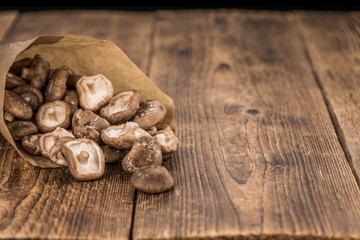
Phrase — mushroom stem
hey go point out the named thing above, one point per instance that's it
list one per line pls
(91, 87)
(53, 114)
(83, 157)
(9, 117)
(27, 73)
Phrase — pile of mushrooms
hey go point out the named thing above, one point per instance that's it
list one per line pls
(78, 122)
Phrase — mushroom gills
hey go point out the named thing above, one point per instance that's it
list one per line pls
(86, 156)
(94, 90)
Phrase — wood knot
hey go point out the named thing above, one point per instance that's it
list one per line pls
(252, 111)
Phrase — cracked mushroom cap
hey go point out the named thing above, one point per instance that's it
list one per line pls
(121, 107)
(145, 151)
(31, 94)
(17, 106)
(31, 144)
(56, 87)
(48, 139)
(122, 136)
(152, 179)
(85, 159)
(19, 129)
(94, 91)
(54, 114)
(12, 81)
(37, 72)
(87, 124)
(167, 139)
(149, 114)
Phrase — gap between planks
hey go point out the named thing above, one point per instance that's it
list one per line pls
(334, 120)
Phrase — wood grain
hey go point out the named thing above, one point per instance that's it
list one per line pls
(6, 19)
(129, 30)
(259, 156)
(43, 203)
(332, 39)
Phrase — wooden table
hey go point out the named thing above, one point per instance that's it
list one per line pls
(267, 107)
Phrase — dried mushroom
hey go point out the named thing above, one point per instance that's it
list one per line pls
(17, 106)
(122, 136)
(112, 154)
(87, 124)
(48, 139)
(52, 115)
(85, 158)
(94, 91)
(71, 97)
(55, 154)
(121, 107)
(149, 114)
(31, 144)
(18, 66)
(167, 139)
(56, 86)
(12, 81)
(152, 179)
(19, 129)
(145, 151)
(37, 72)
(30, 94)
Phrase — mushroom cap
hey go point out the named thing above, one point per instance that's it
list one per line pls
(122, 136)
(87, 124)
(121, 107)
(56, 87)
(167, 139)
(149, 114)
(48, 139)
(54, 114)
(40, 72)
(112, 154)
(31, 144)
(85, 158)
(19, 129)
(145, 151)
(31, 94)
(152, 179)
(94, 91)
(17, 106)
(71, 97)
(13, 81)
(55, 154)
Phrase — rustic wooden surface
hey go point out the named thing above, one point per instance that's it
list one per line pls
(266, 108)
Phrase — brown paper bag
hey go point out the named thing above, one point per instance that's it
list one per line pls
(85, 56)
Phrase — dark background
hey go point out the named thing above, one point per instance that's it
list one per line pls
(131, 5)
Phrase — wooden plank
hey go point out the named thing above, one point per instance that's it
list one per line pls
(129, 30)
(332, 39)
(43, 203)
(258, 154)
(6, 19)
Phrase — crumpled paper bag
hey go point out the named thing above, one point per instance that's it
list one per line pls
(85, 56)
